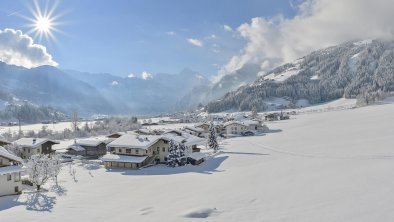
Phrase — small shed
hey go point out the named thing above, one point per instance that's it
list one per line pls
(196, 158)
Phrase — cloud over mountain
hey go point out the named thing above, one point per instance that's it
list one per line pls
(318, 24)
(19, 49)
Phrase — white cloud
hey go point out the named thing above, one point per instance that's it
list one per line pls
(171, 33)
(227, 28)
(131, 75)
(146, 75)
(195, 42)
(318, 24)
(114, 83)
(19, 49)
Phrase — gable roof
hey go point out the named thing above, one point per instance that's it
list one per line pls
(32, 142)
(234, 122)
(89, 142)
(135, 141)
(8, 155)
(4, 141)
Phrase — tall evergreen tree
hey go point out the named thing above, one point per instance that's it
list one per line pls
(212, 138)
(172, 158)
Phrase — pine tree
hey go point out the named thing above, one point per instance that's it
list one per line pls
(182, 148)
(212, 139)
(172, 158)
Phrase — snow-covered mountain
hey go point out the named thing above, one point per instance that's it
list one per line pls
(89, 93)
(362, 70)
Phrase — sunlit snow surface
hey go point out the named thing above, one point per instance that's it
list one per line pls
(327, 166)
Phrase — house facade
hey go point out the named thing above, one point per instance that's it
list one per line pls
(235, 128)
(10, 173)
(33, 146)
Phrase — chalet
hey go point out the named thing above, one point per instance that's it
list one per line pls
(90, 148)
(10, 173)
(4, 142)
(32, 146)
(135, 151)
(130, 151)
(235, 128)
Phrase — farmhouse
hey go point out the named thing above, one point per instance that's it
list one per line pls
(237, 128)
(90, 148)
(32, 146)
(10, 173)
(135, 151)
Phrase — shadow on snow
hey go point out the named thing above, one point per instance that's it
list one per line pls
(208, 167)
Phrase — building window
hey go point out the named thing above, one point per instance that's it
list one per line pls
(1, 162)
(28, 150)
(17, 177)
(158, 149)
(16, 189)
(8, 177)
(146, 151)
(128, 150)
(119, 150)
(165, 141)
(136, 151)
(138, 165)
(164, 149)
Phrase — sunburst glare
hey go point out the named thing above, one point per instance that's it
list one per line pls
(44, 21)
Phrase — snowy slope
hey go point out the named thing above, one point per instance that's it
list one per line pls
(331, 166)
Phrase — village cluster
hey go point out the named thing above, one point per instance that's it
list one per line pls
(135, 149)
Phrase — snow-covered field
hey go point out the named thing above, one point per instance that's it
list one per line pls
(329, 166)
(57, 127)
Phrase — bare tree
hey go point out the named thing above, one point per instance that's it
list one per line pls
(38, 169)
(74, 124)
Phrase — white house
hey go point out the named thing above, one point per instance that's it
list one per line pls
(32, 146)
(10, 173)
(237, 128)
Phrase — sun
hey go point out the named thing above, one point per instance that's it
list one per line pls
(44, 21)
(43, 24)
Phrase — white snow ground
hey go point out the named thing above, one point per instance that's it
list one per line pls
(329, 166)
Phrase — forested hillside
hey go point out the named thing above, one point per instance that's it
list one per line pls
(362, 70)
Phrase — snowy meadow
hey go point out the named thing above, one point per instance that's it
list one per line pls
(328, 166)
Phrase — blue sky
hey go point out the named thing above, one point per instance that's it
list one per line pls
(130, 36)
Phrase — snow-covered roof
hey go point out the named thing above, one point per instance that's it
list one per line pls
(4, 141)
(184, 138)
(123, 158)
(234, 122)
(250, 122)
(8, 155)
(192, 128)
(90, 142)
(10, 169)
(76, 147)
(197, 156)
(201, 124)
(135, 141)
(32, 142)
